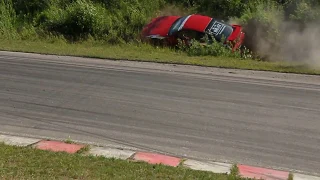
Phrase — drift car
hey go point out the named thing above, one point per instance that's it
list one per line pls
(169, 29)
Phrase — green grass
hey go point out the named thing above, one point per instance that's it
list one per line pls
(150, 54)
(28, 163)
(290, 176)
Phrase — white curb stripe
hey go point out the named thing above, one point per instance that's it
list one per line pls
(208, 166)
(304, 177)
(17, 141)
(111, 153)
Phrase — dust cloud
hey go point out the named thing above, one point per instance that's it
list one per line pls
(294, 43)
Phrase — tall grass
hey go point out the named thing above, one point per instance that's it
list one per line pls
(76, 20)
(7, 19)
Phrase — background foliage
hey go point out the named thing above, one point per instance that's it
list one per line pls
(114, 21)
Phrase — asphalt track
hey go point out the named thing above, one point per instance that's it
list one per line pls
(207, 116)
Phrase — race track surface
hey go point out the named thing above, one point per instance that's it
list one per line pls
(261, 122)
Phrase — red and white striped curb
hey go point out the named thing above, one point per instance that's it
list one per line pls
(153, 158)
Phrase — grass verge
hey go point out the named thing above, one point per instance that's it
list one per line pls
(149, 54)
(28, 163)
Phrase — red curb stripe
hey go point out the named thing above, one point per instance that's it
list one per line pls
(57, 146)
(157, 159)
(262, 173)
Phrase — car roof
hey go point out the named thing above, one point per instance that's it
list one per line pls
(197, 22)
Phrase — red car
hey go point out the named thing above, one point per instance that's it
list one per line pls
(171, 28)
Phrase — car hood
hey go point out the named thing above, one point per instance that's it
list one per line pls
(159, 26)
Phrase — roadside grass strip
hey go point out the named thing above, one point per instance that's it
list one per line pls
(31, 158)
(148, 53)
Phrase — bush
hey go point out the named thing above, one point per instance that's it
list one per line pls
(120, 21)
(222, 9)
(304, 11)
(31, 7)
(77, 21)
(132, 15)
(208, 48)
(7, 19)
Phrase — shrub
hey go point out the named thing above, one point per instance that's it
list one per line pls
(132, 15)
(304, 11)
(222, 9)
(210, 47)
(28, 9)
(7, 19)
(75, 22)
(120, 21)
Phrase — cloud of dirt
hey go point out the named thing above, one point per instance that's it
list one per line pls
(294, 43)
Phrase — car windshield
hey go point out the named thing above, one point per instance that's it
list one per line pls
(177, 25)
(219, 30)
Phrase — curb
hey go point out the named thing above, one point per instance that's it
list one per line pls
(152, 158)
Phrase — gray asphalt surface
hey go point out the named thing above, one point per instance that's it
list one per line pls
(261, 122)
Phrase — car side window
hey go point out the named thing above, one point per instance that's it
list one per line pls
(190, 34)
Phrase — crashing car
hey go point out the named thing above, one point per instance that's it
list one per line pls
(169, 29)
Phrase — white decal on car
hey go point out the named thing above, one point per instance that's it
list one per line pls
(184, 22)
(217, 28)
